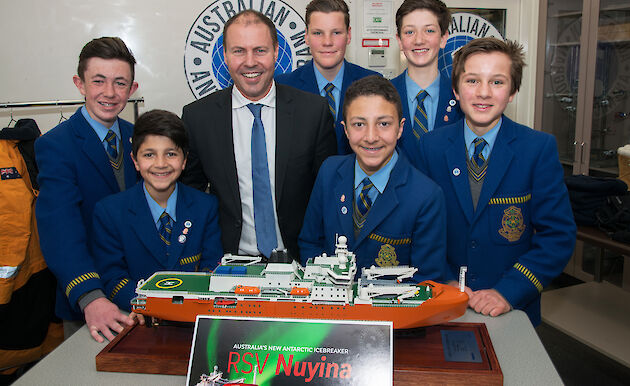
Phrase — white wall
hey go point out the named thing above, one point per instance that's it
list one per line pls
(41, 41)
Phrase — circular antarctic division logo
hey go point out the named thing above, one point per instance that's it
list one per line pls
(204, 63)
(464, 28)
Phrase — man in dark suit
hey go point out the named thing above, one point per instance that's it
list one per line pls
(328, 74)
(258, 145)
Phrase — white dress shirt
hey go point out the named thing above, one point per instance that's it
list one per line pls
(243, 120)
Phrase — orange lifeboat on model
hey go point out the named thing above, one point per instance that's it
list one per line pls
(299, 291)
(246, 290)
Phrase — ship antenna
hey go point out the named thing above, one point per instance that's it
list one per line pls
(462, 278)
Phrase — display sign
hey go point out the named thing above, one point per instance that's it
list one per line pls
(263, 351)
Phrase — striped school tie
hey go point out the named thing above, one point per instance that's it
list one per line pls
(420, 125)
(166, 228)
(363, 201)
(331, 100)
(112, 149)
(478, 160)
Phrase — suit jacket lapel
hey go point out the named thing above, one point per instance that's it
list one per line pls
(385, 203)
(498, 164)
(144, 226)
(284, 122)
(309, 82)
(456, 160)
(93, 149)
(443, 102)
(223, 143)
(344, 197)
(184, 213)
(131, 177)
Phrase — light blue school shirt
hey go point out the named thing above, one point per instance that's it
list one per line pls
(101, 130)
(337, 82)
(430, 101)
(157, 210)
(379, 179)
(490, 137)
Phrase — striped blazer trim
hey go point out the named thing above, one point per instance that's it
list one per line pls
(529, 275)
(80, 279)
(510, 200)
(118, 287)
(390, 241)
(191, 259)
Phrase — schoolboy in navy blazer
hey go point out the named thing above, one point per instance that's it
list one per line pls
(521, 232)
(447, 112)
(406, 222)
(303, 78)
(327, 34)
(131, 241)
(422, 30)
(76, 171)
(128, 246)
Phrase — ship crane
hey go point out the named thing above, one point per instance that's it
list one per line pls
(401, 273)
(401, 292)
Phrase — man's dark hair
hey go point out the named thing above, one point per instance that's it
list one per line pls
(250, 16)
(372, 85)
(512, 49)
(328, 6)
(159, 122)
(437, 7)
(106, 48)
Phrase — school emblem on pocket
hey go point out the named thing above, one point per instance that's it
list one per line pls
(512, 223)
(387, 256)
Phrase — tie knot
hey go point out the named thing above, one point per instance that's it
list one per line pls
(255, 109)
(479, 144)
(329, 87)
(421, 95)
(111, 139)
(165, 218)
(367, 185)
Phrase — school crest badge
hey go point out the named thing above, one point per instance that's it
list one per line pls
(387, 256)
(512, 224)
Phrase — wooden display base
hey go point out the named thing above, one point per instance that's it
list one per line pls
(420, 359)
(418, 355)
(155, 350)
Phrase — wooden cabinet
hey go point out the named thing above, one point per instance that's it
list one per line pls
(583, 81)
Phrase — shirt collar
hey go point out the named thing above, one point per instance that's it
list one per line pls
(490, 136)
(413, 89)
(322, 82)
(99, 128)
(380, 178)
(239, 100)
(156, 209)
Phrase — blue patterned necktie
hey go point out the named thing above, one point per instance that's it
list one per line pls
(420, 125)
(264, 218)
(112, 149)
(363, 204)
(166, 228)
(478, 160)
(331, 100)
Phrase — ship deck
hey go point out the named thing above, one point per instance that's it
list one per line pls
(189, 282)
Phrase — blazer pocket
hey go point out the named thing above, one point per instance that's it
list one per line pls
(509, 218)
(391, 250)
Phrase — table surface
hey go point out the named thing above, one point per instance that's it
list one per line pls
(522, 357)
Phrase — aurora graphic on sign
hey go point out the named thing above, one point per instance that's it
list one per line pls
(277, 352)
(464, 27)
(204, 63)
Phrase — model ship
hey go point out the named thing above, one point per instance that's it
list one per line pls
(323, 289)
